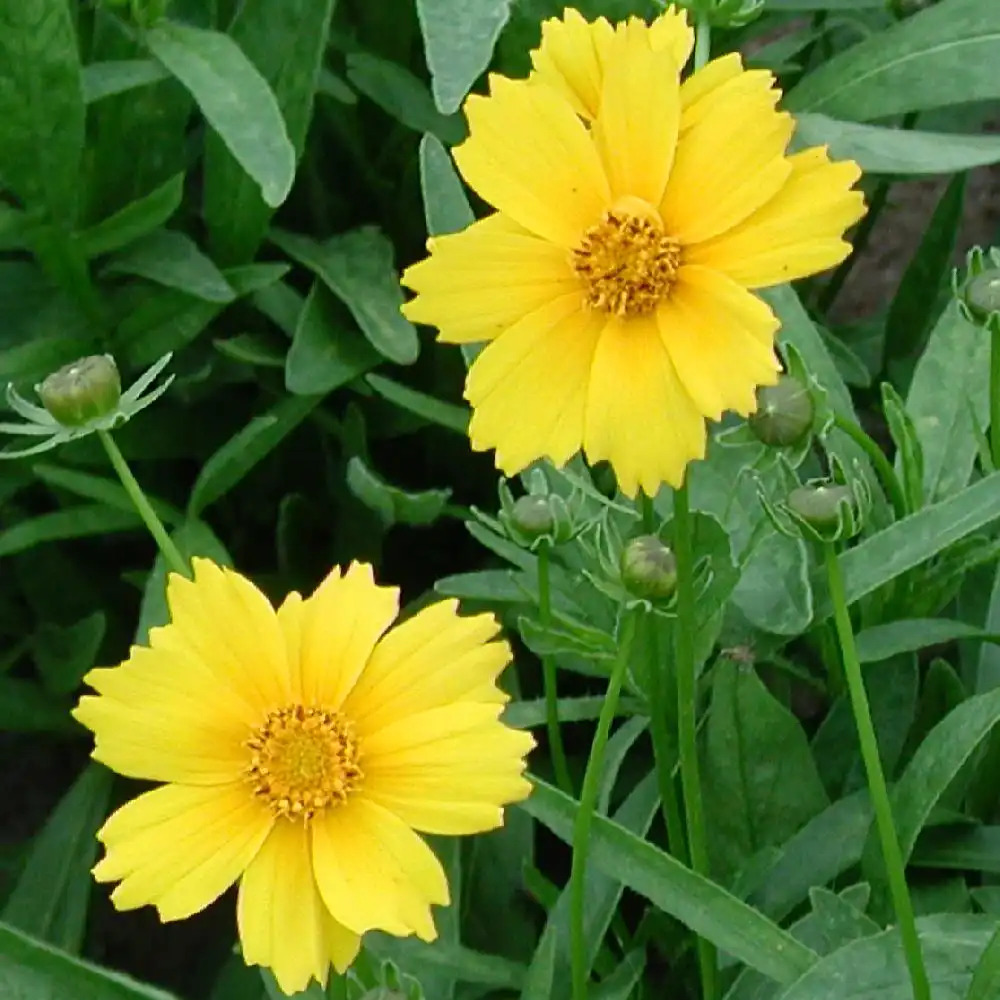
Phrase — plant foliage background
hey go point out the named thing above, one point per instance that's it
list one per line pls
(240, 183)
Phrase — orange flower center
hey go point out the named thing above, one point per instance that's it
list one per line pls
(303, 760)
(626, 262)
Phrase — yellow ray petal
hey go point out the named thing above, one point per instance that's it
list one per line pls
(339, 626)
(530, 157)
(639, 416)
(723, 80)
(374, 872)
(166, 717)
(718, 337)
(282, 920)
(221, 618)
(434, 658)
(797, 233)
(569, 59)
(342, 945)
(574, 54)
(728, 164)
(528, 387)
(478, 282)
(636, 129)
(180, 847)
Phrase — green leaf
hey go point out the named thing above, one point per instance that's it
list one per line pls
(944, 55)
(401, 94)
(538, 982)
(909, 465)
(227, 466)
(950, 384)
(105, 79)
(531, 714)
(882, 641)
(446, 208)
(33, 970)
(436, 411)
(622, 983)
(235, 100)
(75, 522)
(774, 791)
(173, 259)
(172, 319)
(357, 267)
(700, 904)
(51, 895)
(985, 983)
(135, 219)
(64, 653)
(41, 107)
(827, 846)
(393, 505)
(327, 350)
(881, 150)
(933, 767)
(286, 42)
(463, 964)
(101, 489)
(25, 707)
(773, 592)
(459, 36)
(907, 543)
(876, 967)
(915, 301)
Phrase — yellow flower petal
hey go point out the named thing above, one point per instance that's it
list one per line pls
(636, 136)
(166, 717)
(180, 847)
(478, 282)
(374, 872)
(719, 338)
(528, 387)
(222, 619)
(639, 415)
(339, 626)
(721, 81)
(797, 232)
(435, 658)
(569, 59)
(574, 54)
(728, 164)
(282, 919)
(530, 157)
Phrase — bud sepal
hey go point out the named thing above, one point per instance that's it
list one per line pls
(79, 399)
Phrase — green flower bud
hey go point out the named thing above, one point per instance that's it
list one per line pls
(533, 517)
(648, 568)
(82, 391)
(784, 414)
(982, 294)
(820, 505)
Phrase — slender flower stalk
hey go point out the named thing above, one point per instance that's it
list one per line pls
(876, 781)
(588, 804)
(883, 468)
(687, 719)
(170, 551)
(549, 679)
(995, 393)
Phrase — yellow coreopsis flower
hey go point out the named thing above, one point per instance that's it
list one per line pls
(301, 750)
(635, 213)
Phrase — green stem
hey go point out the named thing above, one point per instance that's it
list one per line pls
(588, 803)
(687, 715)
(143, 506)
(702, 42)
(664, 748)
(559, 762)
(891, 852)
(648, 514)
(995, 393)
(883, 468)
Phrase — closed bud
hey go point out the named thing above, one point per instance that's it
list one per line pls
(820, 506)
(982, 294)
(82, 391)
(648, 568)
(784, 414)
(532, 516)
